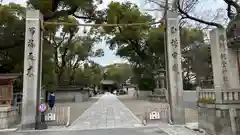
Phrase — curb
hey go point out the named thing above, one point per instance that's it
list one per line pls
(204, 133)
(44, 130)
(9, 130)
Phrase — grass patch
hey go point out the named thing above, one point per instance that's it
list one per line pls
(207, 100)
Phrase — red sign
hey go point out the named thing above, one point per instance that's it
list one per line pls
(42, 107)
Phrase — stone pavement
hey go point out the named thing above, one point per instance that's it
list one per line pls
(77, 108)
(115, 131)
(107, 112)
(139, 107)
(149, 130)
(110, 116)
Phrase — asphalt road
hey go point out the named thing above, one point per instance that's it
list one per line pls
(117, 131)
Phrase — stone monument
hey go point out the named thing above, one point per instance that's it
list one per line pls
(224, 61)
(32, 69)
(175, 68)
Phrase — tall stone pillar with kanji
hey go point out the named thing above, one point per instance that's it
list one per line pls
(175, 68)
(225, 74)
(32, 69)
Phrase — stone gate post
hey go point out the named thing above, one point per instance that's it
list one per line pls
(175, 68)
(223, 64)
(233, 65)
(32, 68)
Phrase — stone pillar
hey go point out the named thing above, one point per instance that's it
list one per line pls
(233, 65)
(220, 60)
(233, 114)
(157, 83)
(162, 82)
(32, 69)
(175, 68)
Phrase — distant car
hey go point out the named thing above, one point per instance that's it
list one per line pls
(122, 92)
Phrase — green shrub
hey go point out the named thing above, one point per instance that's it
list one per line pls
(207, 100)
(146, 83)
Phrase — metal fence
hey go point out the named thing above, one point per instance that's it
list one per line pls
(59, 116)
(9, 118)
(160, 114)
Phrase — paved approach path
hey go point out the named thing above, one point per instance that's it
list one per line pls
(107, 112)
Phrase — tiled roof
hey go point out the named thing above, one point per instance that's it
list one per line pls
(107, 82)
(5, 76)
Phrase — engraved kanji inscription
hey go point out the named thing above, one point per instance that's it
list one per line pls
(224, 64)
(223, 56)
(32, 30)
(174, 42)
(175, 66)
(174, 55)
(221, 41)
(31, 43)
(29, 71)
(173, 30)
(224, 70)
(30, 56)
(225, 78)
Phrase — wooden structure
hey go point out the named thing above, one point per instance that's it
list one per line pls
(6, 88)
(108, 86)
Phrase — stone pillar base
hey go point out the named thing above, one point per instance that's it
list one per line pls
(30, 126)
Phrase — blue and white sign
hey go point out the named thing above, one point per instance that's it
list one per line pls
(42, 108)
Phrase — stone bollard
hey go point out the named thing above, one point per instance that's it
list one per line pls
(232, 113)
(218, 94)
(198, 89)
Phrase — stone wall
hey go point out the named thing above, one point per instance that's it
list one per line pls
(214, 121)
(71, 96)
(237, 120)
(206, 118)
(143, 94)
(131, 92)
(8, 116)
(190, 95)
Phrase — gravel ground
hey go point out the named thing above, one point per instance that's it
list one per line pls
(78, 108)
(139, 107)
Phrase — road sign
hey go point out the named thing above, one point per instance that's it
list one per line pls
(50, 117)
(42, 107)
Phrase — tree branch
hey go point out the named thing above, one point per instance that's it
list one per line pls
(55, 4)
(229, 12)
(234, 4)
(196, 19)
(61, 13)
(157, 3)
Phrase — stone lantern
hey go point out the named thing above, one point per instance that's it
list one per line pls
(160, 78)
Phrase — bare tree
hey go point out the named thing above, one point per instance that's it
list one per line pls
(233, 10)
